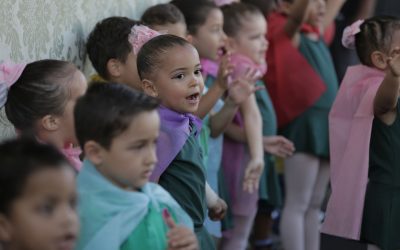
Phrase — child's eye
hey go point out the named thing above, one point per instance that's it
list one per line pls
(198, 72)
(137, 146)
(179, 76)
(46, 209)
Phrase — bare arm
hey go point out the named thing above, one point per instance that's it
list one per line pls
(253, 130)
(366, 9)
(209, 99)
(253, 127)
(221, 120)
(296, 19)
(332, 9)
(220, 85)
(236, 133)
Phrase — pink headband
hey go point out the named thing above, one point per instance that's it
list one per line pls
(139, 35)
(349, 33)
(9, 74)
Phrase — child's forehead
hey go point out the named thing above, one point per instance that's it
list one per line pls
(179, 54)
(57, 182)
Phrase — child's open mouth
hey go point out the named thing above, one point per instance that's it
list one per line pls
(193, 98)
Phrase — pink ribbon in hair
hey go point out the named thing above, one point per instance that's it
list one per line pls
(349, 33)
(139, 35)
(9, 74)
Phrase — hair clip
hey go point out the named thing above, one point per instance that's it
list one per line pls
(139, 35)
(9, 74)
(349, 33)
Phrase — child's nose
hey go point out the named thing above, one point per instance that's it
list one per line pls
(69, 218)
(152, 156)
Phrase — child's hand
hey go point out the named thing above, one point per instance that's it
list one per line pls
(179, 237)
(224, 71)
(394, 62)
(252, 175)
(182, 238)
(278, 146)
(243, 87)
(218, 211)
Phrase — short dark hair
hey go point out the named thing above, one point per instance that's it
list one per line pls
(195, 12)
(106, 110)
(162, 14)
(40, 90)
(376, 34)
(234, 14)
(19, 159)
(109, 40)
(149, 56)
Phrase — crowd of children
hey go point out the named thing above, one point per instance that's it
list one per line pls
(174, 144)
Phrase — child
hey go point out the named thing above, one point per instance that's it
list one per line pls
(302, 83)
(121, 71)
(39, 98)
(170, 70)
(111, 52)
(364, 128)
(165, 18)
(117, 128)
(205, 20)
(37, 197)
(246, 28)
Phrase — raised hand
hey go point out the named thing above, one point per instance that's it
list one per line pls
(224, 71)
(394, 62)
(240, 89)
(278, 146)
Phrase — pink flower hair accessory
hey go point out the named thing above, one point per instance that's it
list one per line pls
(139, 35)
(349, 33)
(9, 74)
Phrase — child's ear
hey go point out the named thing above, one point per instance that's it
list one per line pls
(189, 38)
(378, 59)
(114, 68)
(50, 122)
(94, 152)
(5, 229)
(149, 88)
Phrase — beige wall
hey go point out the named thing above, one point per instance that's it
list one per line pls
(39, 29)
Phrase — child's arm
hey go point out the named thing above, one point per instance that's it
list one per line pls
(238, 92)
(253, 130)
(296, 19)
(220, 120)
(385, 101)
(216, 206)
(216, 91)
(332, 9)
(236, 133)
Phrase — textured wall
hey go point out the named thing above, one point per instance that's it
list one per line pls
(39, 29)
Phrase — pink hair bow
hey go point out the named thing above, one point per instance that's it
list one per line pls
(349, 33)
(139, 35)
(9, 74)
